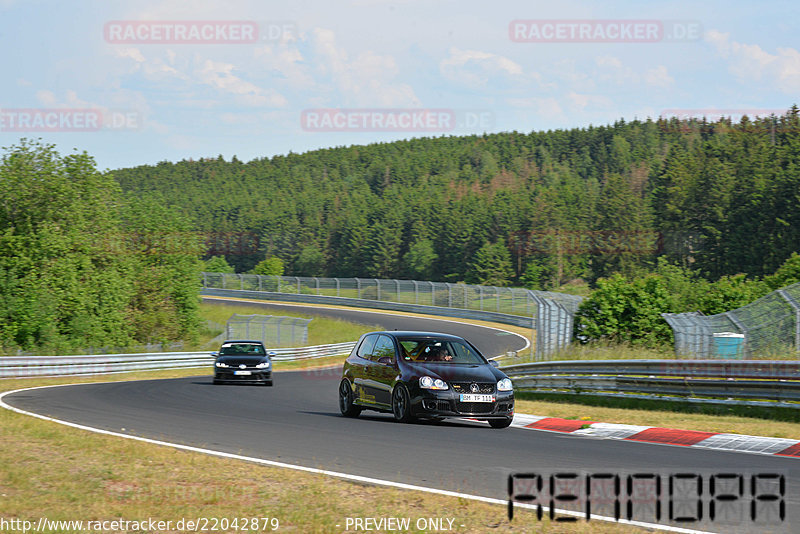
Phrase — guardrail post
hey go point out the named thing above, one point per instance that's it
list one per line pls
(397, 290)
(205, 279)
(337, 287)
(497, 294)
(298, 284)
(358, 287)
(433, 295)
(416, 292)
(316, 283)
(378, 286)
(480, 296)
(449, 295)
(260, 285)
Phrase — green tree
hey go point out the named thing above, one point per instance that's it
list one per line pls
(491, 266)
(166, 267)
(626, 311)
(269, 266)
(310, 261)
(531, 278)
(787, 274)
(64, 279)
(217, 264)
(420, 260)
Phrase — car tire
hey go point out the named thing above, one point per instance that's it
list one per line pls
(346, 405)
(500, 423)
(401, 404)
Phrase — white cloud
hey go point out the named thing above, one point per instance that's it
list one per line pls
(547, 107)
(612, 69)
(286, 60)
(367, 80)
(580, 102)
(658, 77)
(153, 68)
(220, 76)
(752, 63)
(473, 67)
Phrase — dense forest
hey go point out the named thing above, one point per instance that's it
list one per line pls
(535, 209)
(701, 213)
(83, 265)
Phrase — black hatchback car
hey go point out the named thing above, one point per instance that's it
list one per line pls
(243, 361)
(424, 374)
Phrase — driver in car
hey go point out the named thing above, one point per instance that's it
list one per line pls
(441, 354)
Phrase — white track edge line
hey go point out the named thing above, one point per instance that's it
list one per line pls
(336, 474)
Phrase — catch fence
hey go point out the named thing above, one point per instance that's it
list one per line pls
(550, 314)
(274, 331)
(768, 326)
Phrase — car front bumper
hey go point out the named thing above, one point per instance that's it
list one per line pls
(437, 403)
(256, 376)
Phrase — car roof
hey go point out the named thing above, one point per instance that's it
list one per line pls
(256, 341)
(406, 334)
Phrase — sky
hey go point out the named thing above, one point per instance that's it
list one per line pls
(135, 83)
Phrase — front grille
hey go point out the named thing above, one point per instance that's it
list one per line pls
(475, 407)
(466, 387)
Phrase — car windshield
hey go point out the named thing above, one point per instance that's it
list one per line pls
(242, 349)
(439, 351)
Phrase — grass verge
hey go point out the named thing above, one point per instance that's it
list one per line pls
(321, 330)
(61, 473)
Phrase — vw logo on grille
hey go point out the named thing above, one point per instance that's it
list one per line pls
(242, 366)
(474, 387)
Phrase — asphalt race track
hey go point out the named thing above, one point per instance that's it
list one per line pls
(297, 421)
(490, 341)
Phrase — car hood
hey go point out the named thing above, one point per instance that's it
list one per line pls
(239, 360)
(455, 372)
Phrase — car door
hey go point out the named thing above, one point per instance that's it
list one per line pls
(383, 365)
(361, 368)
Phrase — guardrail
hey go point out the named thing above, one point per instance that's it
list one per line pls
(29, 366)
(726, 382)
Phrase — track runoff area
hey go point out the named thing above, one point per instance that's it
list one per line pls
(672, 488)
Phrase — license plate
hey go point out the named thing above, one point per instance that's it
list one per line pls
(470, 397)
(242, 373)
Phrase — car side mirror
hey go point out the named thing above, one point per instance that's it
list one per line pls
(493, 363)
(215, 354)
(387, 360)
(272, 354)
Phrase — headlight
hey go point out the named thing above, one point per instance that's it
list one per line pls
(427, 382)
(262, 365)
(220, 364)
(505, 385)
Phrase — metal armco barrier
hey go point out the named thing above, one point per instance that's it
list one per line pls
(15, 367)
(728, 382)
